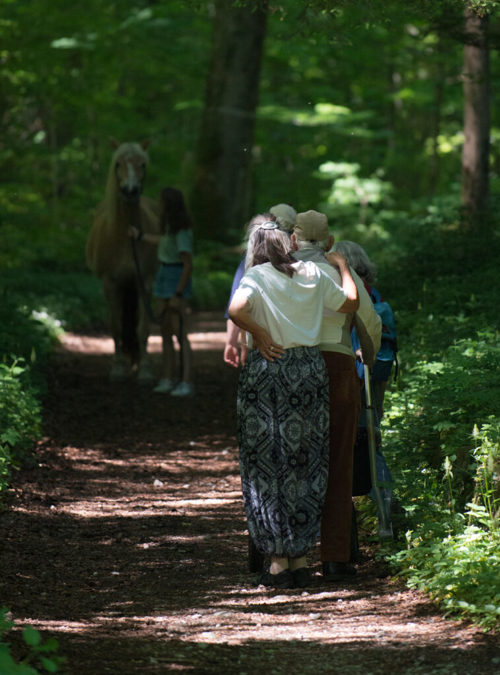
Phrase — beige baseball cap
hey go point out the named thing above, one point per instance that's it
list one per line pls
(311, 226)
(285, 215)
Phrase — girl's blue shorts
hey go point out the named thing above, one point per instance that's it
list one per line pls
(167, 278)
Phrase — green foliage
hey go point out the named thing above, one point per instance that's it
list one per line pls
(40, 656)
(60, 299)
(483, 7)
(352, 198)
(442, 400)
(458, 571)
(441, 428)
(213, 272)
(25, 342)
(28, 333)
(19, 419)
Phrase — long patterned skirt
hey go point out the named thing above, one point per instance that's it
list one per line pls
(283, 436)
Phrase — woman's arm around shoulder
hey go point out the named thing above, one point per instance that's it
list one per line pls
(348, 286)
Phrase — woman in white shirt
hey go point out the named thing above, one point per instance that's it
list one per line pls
(282, 405)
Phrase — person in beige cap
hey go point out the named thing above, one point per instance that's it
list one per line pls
(235, 349)
(311, 239)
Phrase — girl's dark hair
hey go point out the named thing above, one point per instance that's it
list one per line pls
(269, 245)
(174, 215)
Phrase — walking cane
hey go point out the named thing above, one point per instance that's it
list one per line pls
(385, 525)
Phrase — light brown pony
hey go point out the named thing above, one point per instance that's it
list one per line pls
(110, 256)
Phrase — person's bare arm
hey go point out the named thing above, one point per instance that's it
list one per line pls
(239, 312)
(187, 270)
(149, 237)
(231, 348)
(348, 286)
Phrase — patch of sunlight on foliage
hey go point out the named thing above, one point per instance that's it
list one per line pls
(336, 170)
(194, 104)
(460, 572)
(73, 301)
(484, 7)
(355, 190)
(74, 152)
(495, 134)
(331, 110)
(18, 199)
(372, 231)
(52, 324)
(352, 198)
(446, 144)
(137, 16)
(66, 43)
(404, 94)
(320, 114)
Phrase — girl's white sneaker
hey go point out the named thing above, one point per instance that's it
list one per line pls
(164, 386)
(182, 389)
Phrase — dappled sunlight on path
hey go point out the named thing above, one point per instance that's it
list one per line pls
(128, 542)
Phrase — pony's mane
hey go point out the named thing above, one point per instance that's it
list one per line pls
(111, 194)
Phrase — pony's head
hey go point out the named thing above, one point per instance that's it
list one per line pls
(128, 170)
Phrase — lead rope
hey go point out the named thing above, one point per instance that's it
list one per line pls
(146, 300)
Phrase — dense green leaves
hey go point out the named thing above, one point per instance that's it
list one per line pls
(39, 656)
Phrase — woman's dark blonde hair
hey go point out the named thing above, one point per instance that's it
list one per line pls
(268, 244)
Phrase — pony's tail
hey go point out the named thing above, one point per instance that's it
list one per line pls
(130, 317)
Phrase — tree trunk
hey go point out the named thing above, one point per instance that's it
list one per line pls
(221, 193)
(475, 154)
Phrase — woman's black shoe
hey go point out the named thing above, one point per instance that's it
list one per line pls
(301, 577)
(282, 580)
(338, 571)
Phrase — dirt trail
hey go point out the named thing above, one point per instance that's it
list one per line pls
(127, 542)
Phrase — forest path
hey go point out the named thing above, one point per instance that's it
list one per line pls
(127, 541)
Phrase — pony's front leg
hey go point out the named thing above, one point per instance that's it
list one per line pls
(144, 370)
(119, 368)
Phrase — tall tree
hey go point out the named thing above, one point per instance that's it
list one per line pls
(476, 79)
(221, 194)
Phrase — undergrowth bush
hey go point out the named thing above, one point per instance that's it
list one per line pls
(38, 656)
(25, 342)
(441, 429)
(20, 419)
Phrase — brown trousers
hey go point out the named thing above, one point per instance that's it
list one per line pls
(345, 404)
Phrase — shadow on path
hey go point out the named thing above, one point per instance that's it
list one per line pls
(128, 542)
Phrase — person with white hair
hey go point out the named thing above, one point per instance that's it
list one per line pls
(311, 239)
(282, 402)
(235, 349)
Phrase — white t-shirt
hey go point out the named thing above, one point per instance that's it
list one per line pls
(336, 327)
(290, 308)
(171, 245)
